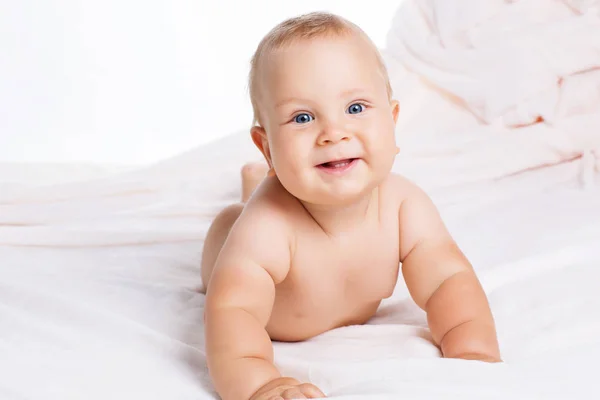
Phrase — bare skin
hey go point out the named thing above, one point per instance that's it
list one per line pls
(370, 275)
(305, 297)
(319, 242)
(252, 174)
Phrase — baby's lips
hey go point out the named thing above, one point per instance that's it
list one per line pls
(336, 159)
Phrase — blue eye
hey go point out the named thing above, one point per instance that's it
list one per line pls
(302, 118)
(355, 108)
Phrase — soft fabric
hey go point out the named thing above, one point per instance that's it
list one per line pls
(98, 295)
(493, 88)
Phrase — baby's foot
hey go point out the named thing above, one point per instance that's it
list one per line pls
(252, 175)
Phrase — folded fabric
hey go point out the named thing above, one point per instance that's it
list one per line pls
(505, 60)
(493, 88)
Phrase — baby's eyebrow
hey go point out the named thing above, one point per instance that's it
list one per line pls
(352, 92)
(344, 94)
(289, 100)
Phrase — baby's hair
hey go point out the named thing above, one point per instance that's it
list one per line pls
(304, 27)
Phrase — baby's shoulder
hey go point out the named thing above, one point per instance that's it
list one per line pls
(397, 189)
(263, 232)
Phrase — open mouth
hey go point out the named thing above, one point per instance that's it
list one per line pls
(338, 165)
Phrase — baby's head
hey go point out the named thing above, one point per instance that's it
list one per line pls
(324, 117)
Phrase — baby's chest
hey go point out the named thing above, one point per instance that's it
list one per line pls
(332, 284)
(364, 269)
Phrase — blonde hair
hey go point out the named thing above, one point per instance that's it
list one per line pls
(304, 27)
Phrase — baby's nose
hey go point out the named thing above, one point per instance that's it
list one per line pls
(331, 135)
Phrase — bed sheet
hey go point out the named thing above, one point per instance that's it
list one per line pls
(98, 296)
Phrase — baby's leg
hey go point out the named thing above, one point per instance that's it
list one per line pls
(252, 175)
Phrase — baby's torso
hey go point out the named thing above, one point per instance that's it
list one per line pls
(336, 282)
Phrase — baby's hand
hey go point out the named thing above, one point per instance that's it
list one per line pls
(287, 388)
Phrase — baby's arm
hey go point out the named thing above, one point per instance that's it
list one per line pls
(442, 282)
(239, 301)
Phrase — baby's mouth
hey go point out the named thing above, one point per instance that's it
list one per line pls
(338, 165)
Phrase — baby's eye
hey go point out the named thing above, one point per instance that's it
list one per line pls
(302, 118)
(355, 108)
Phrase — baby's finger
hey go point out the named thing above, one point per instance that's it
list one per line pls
(311, 391)
(293, 393)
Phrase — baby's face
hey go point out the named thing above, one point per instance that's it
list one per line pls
(328, 119)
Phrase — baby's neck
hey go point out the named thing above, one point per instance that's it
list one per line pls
(341, 220)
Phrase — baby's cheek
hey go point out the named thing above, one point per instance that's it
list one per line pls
(291, 173)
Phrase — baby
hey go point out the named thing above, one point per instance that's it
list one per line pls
(320, 241)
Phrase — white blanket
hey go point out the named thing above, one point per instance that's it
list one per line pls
(98, 300)
(99, 271)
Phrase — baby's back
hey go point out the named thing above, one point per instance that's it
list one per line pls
(330, 280)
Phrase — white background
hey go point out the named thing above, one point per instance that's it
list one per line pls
(132, 81)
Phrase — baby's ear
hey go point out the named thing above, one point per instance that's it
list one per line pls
(395, 110)
(259, 137)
